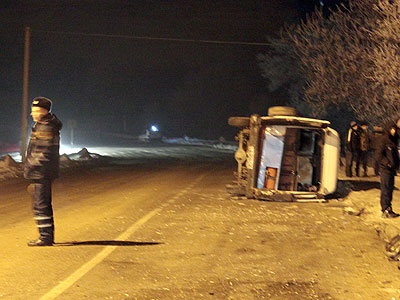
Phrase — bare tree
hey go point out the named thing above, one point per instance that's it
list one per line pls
(351, 58)
(281, 67)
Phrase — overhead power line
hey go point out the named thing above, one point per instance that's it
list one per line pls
(154, 38)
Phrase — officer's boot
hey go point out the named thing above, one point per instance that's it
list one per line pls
(46, 237)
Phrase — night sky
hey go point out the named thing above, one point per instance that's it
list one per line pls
(117, 83)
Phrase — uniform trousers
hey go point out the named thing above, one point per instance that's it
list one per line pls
(387, 186)
(350, 158)
(364, 161)
(42, 208)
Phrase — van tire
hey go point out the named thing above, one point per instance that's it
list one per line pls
(282, 111)
(239, 121)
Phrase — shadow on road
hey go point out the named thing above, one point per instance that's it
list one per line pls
(106, 243)
(363, 185)
(346, 186)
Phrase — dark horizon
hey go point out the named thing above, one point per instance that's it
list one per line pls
(124, 84)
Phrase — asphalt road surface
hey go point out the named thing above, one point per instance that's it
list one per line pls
(170, 231)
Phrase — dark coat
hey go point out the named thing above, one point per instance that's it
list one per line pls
(387, 154)
(43, 158)
(353, 140)
(376, 140)
(365, 140)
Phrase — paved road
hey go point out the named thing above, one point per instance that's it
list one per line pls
(169, 231)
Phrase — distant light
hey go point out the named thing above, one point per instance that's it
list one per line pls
(154, 128)
(321, 3)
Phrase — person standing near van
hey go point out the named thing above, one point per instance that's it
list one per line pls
(352, 149)
(42, 167)
(377, 135)
(388, 156)
(364, 148)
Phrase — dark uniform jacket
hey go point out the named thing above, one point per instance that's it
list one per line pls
(388, 154)
(364, 140)
(376, 140)
(42, 159)
(353, 140)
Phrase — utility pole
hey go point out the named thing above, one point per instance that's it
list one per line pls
(24, 115)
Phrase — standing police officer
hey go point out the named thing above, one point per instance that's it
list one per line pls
(352, 149)
(376, 140)
(388, 157)
(365, 142)
(42, 167)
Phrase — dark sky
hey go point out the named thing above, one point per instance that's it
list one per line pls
(122, 84)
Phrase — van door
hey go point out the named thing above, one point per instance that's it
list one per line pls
(288, 174)
(330, 161)
(271, 156)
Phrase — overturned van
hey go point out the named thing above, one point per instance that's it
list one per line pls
(284, 157)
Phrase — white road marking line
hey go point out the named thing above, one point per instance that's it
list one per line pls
(74, 277)
(85, 268)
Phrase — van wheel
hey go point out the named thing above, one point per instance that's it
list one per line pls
(282, 111)
(239, 121)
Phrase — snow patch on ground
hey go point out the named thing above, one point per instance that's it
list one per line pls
(220, 144)
(181, 149)
(9, 168)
